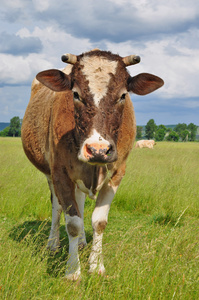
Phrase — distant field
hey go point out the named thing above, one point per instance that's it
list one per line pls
(151, 243)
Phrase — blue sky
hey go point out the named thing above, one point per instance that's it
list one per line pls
(34, 34)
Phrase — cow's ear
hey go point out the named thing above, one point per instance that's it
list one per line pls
(144, 83)
(54, 80)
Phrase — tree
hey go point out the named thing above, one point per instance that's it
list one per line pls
(193, 130)
(160, 133)
(15, 126)
(169, 129)
(173, 136)
(150, 129)
(5, 131)
(162, 127)
(180, 127)
(139, 132)
(185, 135)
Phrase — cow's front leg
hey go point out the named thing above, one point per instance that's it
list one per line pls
(99, 222)
(80, 199)
(74, 227)
(76, 235)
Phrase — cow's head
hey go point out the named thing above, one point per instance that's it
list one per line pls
(100, 84)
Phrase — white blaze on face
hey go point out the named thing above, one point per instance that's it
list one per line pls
(97, 71)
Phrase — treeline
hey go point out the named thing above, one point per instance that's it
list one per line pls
(181, 132)
(14, 129)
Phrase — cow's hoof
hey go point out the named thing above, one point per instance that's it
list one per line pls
(97, 269)
(53, 246)
(73, 277)
(102, 271)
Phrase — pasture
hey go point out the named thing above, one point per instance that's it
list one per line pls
(151, 243)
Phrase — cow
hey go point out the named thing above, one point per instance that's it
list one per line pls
(145, 144)
(79, 128)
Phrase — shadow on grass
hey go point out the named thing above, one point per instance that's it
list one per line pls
(35, 235)
(165, 219)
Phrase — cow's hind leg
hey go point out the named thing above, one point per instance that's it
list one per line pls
(99, 222)
(53, 240)
(65, 191)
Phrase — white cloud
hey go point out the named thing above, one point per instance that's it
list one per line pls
(21, 70)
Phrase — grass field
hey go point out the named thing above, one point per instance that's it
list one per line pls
(151, 243)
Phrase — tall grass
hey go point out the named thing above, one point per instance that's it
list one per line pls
(151, 243)
(165, 179)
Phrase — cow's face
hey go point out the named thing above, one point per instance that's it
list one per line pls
(99, 91)
(100, 84)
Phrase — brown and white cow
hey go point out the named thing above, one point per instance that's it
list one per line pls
(78, 129)
(145, 144)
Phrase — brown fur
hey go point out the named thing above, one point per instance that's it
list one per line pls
(72, 230)
(101, 226)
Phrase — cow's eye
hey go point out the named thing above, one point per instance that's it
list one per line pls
(76, 96)
(122, 98)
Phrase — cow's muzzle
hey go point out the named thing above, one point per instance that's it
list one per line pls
(99, 153)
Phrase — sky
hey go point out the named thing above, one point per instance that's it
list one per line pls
(34, 34)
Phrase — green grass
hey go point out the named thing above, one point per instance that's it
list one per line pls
(151, 243)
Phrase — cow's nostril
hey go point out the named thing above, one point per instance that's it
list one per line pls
(109, 151)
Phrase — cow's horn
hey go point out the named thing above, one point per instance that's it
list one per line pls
(69, 58)
(131, 60)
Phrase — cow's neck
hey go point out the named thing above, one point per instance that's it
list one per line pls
(98, 175)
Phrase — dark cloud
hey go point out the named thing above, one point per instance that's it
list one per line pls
(106, 20)
(13, 44)
(101, 21)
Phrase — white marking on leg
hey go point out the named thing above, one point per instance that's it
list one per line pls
(73, 269)
(80, 200)
(74, 226)
(97, 71)
(53, 240)
(99, 221)
(96, 258)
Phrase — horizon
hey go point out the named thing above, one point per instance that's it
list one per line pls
(166, 125)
